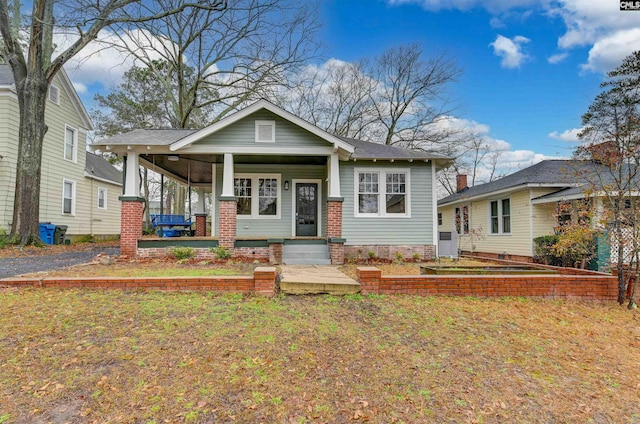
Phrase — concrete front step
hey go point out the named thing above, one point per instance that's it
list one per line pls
(299, 279)
(311, 254)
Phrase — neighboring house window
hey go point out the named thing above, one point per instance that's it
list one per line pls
(439, 218)
(382, 193)
(54, 94)
(70, 144)
(462, 220)
(102, 198)
(265, 131)
(68, 197)
(263, 202)
(500, 212)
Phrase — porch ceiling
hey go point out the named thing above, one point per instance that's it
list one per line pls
(197, 168)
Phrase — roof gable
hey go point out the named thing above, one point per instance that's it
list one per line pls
(261, 104)
(61, 79)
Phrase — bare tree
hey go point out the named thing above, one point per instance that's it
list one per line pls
(335, 97)
(34, 66)
(411, 96)
(211, 62)
(612, 139)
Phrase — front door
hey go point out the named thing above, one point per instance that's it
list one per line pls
(306, 209)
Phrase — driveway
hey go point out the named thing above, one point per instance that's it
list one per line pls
(10, 267)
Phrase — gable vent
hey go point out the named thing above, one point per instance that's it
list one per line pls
(265, 131)
(54, 94)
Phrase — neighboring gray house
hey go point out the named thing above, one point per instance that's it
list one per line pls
(278, 181)
(78, 189)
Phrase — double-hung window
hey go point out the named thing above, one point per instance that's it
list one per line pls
(102, 198)
(382, 192)
(68, 197)
(70, 144)
(258, 196)
(500, 216)
(462, 220)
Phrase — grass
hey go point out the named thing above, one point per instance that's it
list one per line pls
(122, 356)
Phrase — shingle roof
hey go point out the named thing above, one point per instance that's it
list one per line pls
(550, 173)
(363, 149)
(369, 150)
(99, 167)
(148, 137)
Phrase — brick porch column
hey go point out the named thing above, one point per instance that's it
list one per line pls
(227, 222)
(201, 224)
(130, 224)
(334, 230)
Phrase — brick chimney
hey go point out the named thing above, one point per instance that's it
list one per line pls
(461, 182)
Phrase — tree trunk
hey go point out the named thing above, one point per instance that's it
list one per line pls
(622, 286)
(26, 212)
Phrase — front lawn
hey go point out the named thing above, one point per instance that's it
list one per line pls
(154, 357)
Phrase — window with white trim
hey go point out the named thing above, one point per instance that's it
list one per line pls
(70, 143)
(102, 198)
(500, 216)
(54, 94)
(257, 196)
(382, 192)
(68, 197)
(265, 131)
(462, 220)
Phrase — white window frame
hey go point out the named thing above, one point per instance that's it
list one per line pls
(73, 197)
(460, 210)
(255, 195)
(104, 198)
(54, 99)
(501, 216)
(382, 192)
(260, 123)
(74, 152)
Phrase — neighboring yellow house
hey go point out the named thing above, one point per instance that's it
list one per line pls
(501, 218)
(78, 189)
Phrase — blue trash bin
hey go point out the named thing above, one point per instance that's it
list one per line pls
(47, 230)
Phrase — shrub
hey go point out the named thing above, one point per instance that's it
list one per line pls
(416, 256)
(543, 250)
(399, 257)
(182, 253)
(371, 254)
(221, 252)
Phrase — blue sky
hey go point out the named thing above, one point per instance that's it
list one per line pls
(530, 67)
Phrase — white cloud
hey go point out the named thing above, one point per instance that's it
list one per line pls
(494, 6)
(608, 52)
(106, 60)
(557, 58)
(510, 50)
(567, 135)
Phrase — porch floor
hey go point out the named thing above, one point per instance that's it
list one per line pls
(316, 279)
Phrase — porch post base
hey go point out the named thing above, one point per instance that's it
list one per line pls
(130, 224)
(227, 223)
(201, 224)
(275, 251)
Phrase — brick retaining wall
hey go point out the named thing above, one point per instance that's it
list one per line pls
(262, 282)
(586, 287)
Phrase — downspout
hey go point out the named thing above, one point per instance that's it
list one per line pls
(531, 249)
(434, 202)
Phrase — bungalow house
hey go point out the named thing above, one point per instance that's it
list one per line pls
(501, 218)
(78, 189)
(285, 189)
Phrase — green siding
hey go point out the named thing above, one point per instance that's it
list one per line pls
(281, 227)
(242, 134)
(418, 229)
